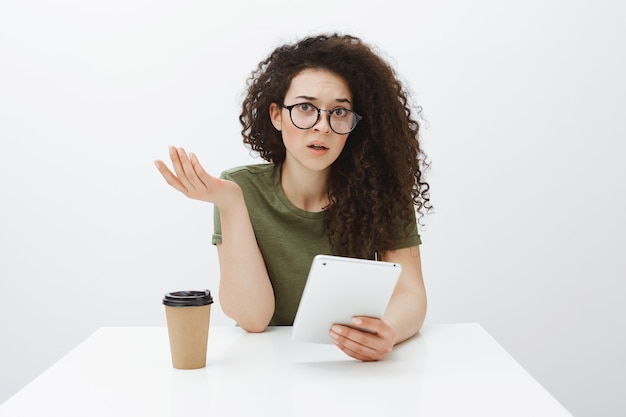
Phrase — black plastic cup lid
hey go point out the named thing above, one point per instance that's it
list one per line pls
(188, 298)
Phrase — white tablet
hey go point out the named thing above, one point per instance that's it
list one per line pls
(338, 289)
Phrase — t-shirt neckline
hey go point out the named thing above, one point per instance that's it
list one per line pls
(288, 204)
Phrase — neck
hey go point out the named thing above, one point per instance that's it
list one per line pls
(305, 189)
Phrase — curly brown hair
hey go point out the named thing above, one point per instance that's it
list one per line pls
(378, 178)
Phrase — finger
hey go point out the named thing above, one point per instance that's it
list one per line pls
(364, 346)
(356, 351)
(380, 327)
(204, 177)
(189, 177)
(356, 338)
(176, 164)
(169, 177)
(178, 167)
(356, 355)
(183, 169)
(196, 175)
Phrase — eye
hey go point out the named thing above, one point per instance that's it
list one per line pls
(306, 108)
(341, 112)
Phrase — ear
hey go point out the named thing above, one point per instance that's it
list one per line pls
(276, 115)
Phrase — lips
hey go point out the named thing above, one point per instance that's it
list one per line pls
(318, 146)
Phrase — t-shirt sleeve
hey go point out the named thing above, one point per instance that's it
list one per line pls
(217, 223)
(411, 239)
(217, 226)
(406, 234)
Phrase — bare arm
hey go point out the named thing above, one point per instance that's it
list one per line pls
(407, 308)
(246, 294)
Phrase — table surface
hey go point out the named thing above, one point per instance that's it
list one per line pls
(446, 370)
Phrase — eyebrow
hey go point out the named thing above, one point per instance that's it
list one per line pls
(339, 100)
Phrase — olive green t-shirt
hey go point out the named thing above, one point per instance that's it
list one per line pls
(288, 237)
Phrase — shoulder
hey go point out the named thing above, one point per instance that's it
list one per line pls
(247, 171)
(253, 177)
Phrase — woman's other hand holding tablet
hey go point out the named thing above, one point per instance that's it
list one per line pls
(371, 344)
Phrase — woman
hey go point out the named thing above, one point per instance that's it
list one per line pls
(345, 177)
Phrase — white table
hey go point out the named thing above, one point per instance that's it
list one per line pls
(447, 370)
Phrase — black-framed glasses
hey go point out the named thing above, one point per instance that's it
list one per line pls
(306, 115)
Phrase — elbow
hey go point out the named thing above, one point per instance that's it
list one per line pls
(253, 324)
(253, 327)
(251, 318)
(250, 322)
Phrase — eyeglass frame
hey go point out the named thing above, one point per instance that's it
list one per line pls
(319, 113)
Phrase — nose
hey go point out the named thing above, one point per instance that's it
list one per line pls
(323, 122)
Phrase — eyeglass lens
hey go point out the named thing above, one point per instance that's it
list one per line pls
(306, 115)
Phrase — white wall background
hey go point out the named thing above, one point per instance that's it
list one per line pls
(525, 103)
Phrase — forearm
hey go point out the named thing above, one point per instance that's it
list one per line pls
(246, 294)
(407, 308)
(406, 313)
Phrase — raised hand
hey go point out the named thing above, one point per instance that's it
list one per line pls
(190, 178)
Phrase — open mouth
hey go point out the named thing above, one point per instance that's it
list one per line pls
(318, 147)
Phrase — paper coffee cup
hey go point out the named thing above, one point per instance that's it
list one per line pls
(188, 315)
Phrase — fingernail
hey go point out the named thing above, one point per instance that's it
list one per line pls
(336, 329)
(356, 321)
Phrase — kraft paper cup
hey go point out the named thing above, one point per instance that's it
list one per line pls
(188, 315)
